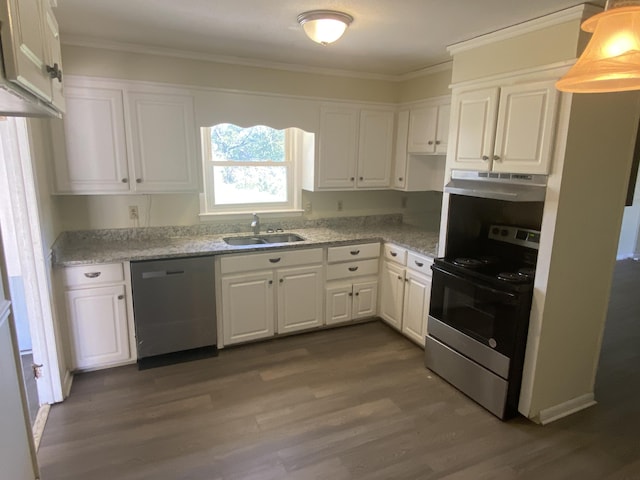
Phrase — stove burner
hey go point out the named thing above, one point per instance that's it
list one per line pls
(468, 262)
(512, 277)
(528, 272)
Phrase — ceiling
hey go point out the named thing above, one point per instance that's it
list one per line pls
(387, 37)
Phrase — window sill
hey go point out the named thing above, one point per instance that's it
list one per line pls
(244, 215)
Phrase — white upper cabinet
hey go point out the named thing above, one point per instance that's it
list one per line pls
(429, 129)
(354, 149)
(31, 49)
(114, 139)
(163, 137)
(508, 129)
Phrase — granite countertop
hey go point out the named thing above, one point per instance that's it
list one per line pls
(85, 248)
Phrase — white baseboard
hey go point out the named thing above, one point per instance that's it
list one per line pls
(565, 409)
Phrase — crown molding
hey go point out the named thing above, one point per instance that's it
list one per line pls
(81, 41)
(579, 12)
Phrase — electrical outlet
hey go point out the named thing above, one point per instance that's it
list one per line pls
(307, 207)
(403, 202)
(339, 205)
(133, 212)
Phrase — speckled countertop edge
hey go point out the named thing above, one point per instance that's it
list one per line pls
(97, 249)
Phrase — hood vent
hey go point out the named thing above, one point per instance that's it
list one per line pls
(513, 187)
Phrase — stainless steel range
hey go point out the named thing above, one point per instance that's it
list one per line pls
(479, 316)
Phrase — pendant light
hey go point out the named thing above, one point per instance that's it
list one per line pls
(611, 60)
(324, 26)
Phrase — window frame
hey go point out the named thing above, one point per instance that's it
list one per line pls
(293, 155)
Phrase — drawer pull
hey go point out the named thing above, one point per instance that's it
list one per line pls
(420, 264)
(393, 254)
(274, 260)
(92, 274)
(354, 252)
(353, 269)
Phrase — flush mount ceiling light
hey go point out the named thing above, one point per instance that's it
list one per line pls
(611, 60)
(324, 26)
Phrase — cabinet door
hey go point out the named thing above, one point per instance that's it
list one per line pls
(526, 124)
(400, 152)
(375, 149)
(337, 150)
(365, 299)
(417, 288)
(391, 294)
(24, 47)
(164, 142)
(442, 129)
(54, 56)
(299, 298)
(247, 307)
(338, 304)
(474, 128)
(98, 326)
(422, 130)
(90, 151)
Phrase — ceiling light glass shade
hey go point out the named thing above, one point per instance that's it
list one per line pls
(611, 61)
(324, 26)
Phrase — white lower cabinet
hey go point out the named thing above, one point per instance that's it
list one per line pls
(299, 298)
(98, 326)
(352, 284)
(247, 307)
(258, 302)
(405, 291)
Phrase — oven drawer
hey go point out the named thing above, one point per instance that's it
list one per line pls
(483, 386)
(485, 356)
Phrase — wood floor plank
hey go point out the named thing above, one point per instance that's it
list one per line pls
(343, 404)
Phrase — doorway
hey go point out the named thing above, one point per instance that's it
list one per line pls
(28, 270)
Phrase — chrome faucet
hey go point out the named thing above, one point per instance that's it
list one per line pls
(255, 224)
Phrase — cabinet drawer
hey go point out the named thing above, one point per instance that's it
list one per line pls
(352, 269)
(273, 259)
(419, 263)
(353, 252)
(89, 275)
(395, 254)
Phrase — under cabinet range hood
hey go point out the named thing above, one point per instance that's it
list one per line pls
(513, 187)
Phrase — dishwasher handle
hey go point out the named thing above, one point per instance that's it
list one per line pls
(161, 273)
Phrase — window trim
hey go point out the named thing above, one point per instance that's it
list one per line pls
(294, 141)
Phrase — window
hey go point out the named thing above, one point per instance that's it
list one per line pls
(252, 169)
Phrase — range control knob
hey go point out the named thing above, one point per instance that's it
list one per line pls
(495, 230)
(504, 232)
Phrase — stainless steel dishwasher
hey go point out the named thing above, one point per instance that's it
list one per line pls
(174, 310)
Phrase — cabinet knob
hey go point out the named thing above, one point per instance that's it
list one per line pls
(357, 293)
(399, 277)
(438, 142)
(353, 179)
(400, 179)
(485, 158)
(282, 280)
(496, 158)
(138, 180)
(361, 178)
(120, 297)
(270, 282)
(406, 279)
(125, 180)
(430, 142)
(350, 294)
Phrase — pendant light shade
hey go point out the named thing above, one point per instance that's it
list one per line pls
(611, 60)
(324, 26)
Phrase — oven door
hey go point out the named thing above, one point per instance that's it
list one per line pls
(484, 314)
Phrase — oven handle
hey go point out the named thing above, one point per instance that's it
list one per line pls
(501, 293)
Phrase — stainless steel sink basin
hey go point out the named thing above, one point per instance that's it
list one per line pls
(264, 239)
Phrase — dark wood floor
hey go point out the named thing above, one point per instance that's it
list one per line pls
(350, 403)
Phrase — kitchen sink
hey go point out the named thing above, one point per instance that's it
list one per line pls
(264, 239)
